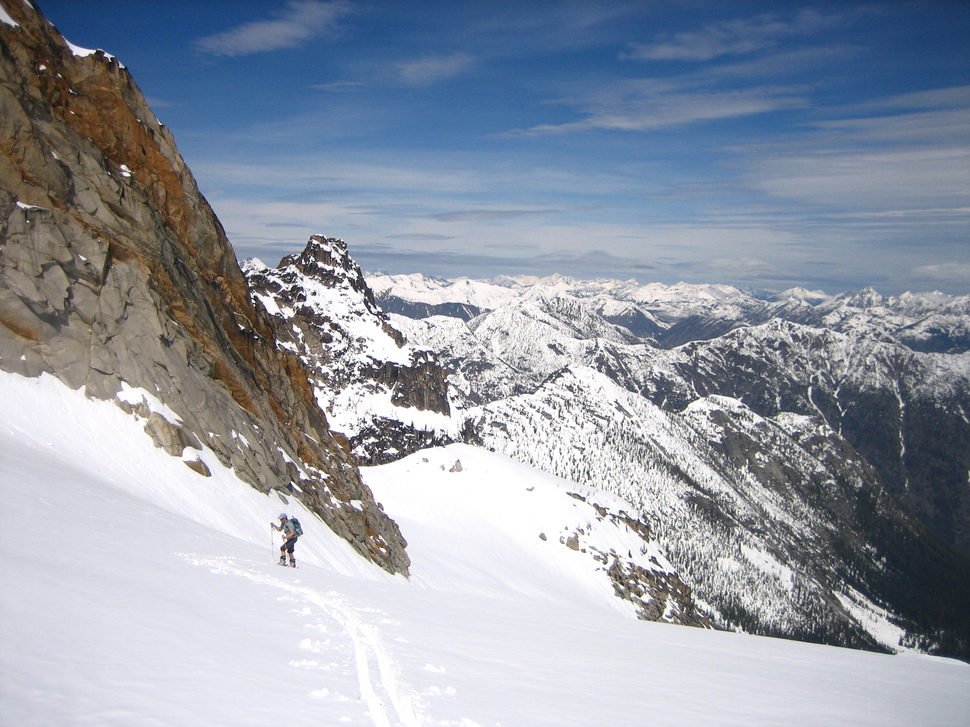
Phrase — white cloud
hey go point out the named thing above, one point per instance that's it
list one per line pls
(649, 105)
(487, 215)
(785, 61)
(300, 22)
(734, 38)
(938, 98)
(305, 174)
(338, 86)
(937, 128)
(911, 163)
(420, 236)
(890, 179)
(428, 70)
(944, 272)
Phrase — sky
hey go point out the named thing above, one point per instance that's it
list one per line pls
(760, 144)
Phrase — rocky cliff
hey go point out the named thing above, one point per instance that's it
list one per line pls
(388, 397)
(115, 271)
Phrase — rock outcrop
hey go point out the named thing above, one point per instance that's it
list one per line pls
(114, 270)
(388, 397)
(657, 591)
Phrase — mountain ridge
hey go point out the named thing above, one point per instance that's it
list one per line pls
(929, 322)
(115, 271)
(754, 400)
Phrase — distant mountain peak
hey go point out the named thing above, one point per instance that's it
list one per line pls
(798, 293)
(864, 298)
(320, 250)
(327, 261)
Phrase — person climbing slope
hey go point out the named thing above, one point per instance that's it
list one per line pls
(290, 535)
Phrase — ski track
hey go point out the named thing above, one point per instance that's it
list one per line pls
(388, 702)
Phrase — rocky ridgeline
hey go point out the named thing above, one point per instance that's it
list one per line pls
(114, 269)
(363, 370)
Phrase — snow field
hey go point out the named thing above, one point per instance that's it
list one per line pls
(478, 530)
(136, 592)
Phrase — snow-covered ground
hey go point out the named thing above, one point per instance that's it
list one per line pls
(133, 591)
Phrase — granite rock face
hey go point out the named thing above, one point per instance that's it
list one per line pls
(115, 271)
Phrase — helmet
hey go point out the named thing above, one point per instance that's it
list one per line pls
(282, 516)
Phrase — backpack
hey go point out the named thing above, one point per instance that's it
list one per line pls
(296, 526)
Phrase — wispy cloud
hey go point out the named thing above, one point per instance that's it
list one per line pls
(732, 38)
(943, 272)
(486, 215)
(299, 22)
(435, 68)
(913, 163)
(904, 180)
(455, 263)
(305, 176)
(784, 62)
(420, 236)
(159, 103)
(338, 86)
(935, 99)
(646, 105)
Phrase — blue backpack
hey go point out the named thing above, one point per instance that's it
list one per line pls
(296, 526)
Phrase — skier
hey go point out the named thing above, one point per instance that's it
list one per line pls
(289, 538)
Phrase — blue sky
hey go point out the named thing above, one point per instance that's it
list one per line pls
(761, 144)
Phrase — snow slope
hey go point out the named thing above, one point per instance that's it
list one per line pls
(136, 592)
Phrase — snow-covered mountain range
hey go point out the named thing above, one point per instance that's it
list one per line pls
(860, 361)
(674, 314)
(758, 453)
(800, 456)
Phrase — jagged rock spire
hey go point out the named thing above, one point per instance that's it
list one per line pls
(329, 317)
(327, 261)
